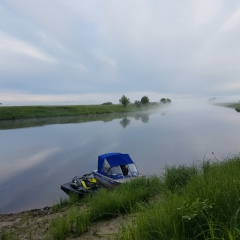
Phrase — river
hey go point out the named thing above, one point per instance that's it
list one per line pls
(37, 156)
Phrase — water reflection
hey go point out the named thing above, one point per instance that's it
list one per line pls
(144, 117)
(38, 122)
(125, 122)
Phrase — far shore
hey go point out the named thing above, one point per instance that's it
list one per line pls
(235, 105)
(26, 112)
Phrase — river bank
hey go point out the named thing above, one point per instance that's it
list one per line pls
(35, 224)
(235, 105)
(26, 112)
(189, 202)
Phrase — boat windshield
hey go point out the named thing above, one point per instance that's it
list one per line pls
(133, 169)
(115, 171)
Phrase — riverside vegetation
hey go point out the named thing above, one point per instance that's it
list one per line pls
(187, 202)
(235, 105)
(23, 112)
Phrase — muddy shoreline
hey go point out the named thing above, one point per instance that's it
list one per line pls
(35, 224)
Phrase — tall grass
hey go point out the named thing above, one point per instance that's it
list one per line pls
(208, 207)
(125, 198)
(105, 205)
(8, 235)
(75, 224)
(178, 177)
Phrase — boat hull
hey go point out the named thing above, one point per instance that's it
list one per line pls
(108, 182)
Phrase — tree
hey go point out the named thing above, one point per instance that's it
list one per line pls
(137, 104)
(124, 100)
(165, 100)
(145, 100)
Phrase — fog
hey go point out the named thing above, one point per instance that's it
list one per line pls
(37, 158)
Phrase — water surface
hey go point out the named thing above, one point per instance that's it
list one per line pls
(37, 156)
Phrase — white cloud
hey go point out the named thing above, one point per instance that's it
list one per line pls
(13, 45)
(104, 58)
(233, 22)
(204, 11)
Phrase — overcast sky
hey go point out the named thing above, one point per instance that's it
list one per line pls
(101, 49)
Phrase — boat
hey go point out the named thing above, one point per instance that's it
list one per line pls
(114, 169)
(81, 185)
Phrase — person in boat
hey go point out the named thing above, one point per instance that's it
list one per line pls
(124, 170)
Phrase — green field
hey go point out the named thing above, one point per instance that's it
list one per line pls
(23, 112)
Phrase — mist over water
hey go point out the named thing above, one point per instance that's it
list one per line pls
(37, 159)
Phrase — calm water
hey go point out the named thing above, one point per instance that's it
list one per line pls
(37, 156)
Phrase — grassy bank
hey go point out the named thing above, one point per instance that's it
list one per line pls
(23, 112)
(235, 105)
(189, 202)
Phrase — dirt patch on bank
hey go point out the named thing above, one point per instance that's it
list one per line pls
(35, 224)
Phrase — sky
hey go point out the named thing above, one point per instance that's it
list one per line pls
(96, 51)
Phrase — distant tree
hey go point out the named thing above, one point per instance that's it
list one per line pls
(145, 100)
(137, 104)
(107, 103)
(165, 100)
(124, 100)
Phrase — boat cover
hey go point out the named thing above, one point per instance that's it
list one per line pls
(114, 159)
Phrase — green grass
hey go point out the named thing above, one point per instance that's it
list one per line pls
(8, 235)
(106, 205)
(206, 208)
(23, 112)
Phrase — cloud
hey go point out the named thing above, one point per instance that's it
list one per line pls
(233, 22)
(100, 47)
(12, 45)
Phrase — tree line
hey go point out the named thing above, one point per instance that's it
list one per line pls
(144, 101)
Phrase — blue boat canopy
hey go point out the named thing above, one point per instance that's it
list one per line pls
(109, 160)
